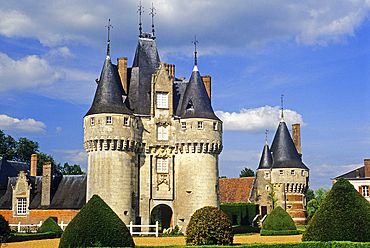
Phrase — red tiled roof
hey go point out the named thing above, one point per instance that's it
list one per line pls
(235, 189)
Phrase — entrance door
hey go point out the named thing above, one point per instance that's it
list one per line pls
(263, 211)
(163, 214)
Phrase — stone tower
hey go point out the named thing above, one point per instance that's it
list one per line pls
(153, 147)
(281, 169)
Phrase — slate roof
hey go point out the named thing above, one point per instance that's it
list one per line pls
(283, 150)
(109, 93)
(179, 88)
(352, 174)
(235, 189)
(10, 169)
(266, 158)
(196, 103)
(145, 63)
(68, 192)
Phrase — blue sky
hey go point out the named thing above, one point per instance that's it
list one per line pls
(316, 53)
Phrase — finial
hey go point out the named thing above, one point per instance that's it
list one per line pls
(267, 131)
(282, 107)
(140, 11)
(152, 13)
(108, 26)
(195, 51)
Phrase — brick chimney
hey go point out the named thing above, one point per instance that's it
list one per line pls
(367, 167)
(170, 69)
(207, 83)
(46, 184)
(296, 130)
(122, 71)
(33, 172)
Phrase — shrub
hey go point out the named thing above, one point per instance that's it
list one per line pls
(4, 229)
(278, 220)
(96, 224)
(277, 233)
(241, 213)
(344, 215)
(50, 225)
(209, 226)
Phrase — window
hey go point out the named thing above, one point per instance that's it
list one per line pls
(267, 175)
(183, 125)
(162, 133)
(200, 124)
(21, 205)
(92, 121)
(109, 119)
(365, 191)
(293, 172)
(215, 126)
(303, 173)
(126, 121)
(281, 172)
(162, 165)
(162, 100)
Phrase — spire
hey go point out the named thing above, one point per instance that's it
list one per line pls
(108, 41)
(195, 50)
(267, 131)
(140, 11)
(282, 107)
(152, 13)
(266, 158)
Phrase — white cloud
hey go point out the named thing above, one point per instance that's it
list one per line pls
(257, 119)
(28, 72)
(330, 171)
(14, 125)
(78, 156)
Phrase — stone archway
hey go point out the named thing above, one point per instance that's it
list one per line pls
(163, 214)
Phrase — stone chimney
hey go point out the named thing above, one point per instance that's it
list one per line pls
(33, 172)
(46, 184)
(296, 130)
(367, 167)
(122, 71)
(207, 84)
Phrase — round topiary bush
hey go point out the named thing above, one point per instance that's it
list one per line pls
(209, 226)
(50, 225)
(344, 215)
(4, 229)
(96, 224)
(279, 220)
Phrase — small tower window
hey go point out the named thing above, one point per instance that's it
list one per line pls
(162, 100)
(21, 206)
(109, 119)
(162, 165)
(215, 126)
(92, 121)
(267, 175)
(200, 124)
(293, 172)
(281, 172)
(126, 121)
(183, 125)
(303, 173)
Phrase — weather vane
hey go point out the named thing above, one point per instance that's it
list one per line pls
(195, 52)
(282, 107)
(267, 131)
(108, 26)
(152, 13)
(140, 11)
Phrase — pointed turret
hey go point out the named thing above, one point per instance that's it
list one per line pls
(196, 103)
(266, 158)
(109, 94)
(283, 150)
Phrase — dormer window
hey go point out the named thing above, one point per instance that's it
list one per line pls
(21, 206)
(109, 119)
(92, 121)
(162, 100)
(200, 124)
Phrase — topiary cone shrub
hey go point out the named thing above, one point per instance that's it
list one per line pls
(209, 226)
(278, 222)
(50, 225)
(96, 225)
(4, 229)
(344, 215)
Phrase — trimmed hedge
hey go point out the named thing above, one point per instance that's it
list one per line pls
(243, 212)
(278, 220)
(96, 224)
(344, 215)
(209, 226)
(279, 233)
(4, 229)
(50, 225)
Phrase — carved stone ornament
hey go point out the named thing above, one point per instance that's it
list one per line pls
(161, 152)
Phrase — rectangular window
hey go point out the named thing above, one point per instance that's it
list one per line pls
(92, 121)
(162, 132)
(303, 173)
(162, 100)
(109, 119)
(21, 205)
(126, 121)
(215, 126)
(281, 172)
(365, 191)
(200, 124)
(183, 125)
(293, 172)
(162, 165)
(267, 175)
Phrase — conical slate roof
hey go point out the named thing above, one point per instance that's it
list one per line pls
(283, 150)
(109, 94)
(196, 103)
(266, 158)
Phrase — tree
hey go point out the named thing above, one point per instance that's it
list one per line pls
(310, 195)
(43, 158)
(25, 148)
(7, 146)
(315, 203)
(246, 172)
(272, 195)
(71, 169)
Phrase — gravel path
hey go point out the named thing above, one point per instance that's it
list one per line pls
(153, 241)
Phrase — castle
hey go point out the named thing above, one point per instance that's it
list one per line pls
(152, 139)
